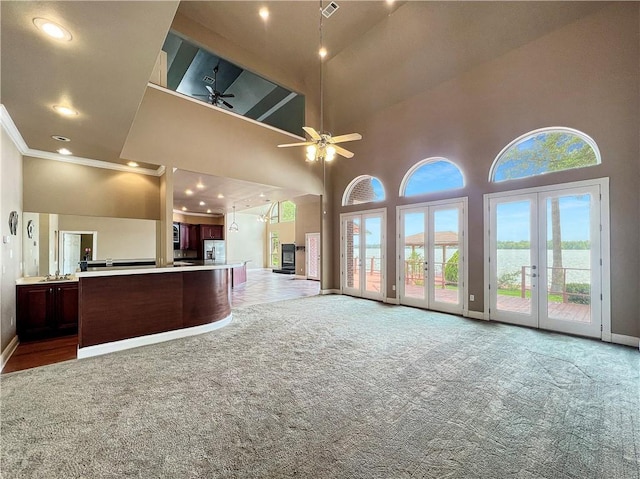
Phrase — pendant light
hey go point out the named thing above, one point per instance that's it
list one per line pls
(233, 227)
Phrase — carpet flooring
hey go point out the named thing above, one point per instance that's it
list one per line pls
(332, 387)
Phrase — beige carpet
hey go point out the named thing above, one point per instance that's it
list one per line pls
(333, 387)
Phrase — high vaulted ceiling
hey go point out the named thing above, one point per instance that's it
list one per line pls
(380, 54)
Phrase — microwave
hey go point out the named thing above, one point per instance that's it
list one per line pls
(176, 235)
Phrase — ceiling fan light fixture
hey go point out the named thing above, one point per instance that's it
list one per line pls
(65, 110)
(330, 153)
(264, 13)
(322, 52)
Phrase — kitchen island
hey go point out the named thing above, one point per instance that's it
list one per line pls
(126, 307)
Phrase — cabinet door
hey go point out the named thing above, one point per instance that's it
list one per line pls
(184, 236)
(194, 237)
(34, 312)
(206, 232)
(66, 308)
(217, 232)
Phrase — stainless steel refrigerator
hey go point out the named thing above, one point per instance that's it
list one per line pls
(214, 250)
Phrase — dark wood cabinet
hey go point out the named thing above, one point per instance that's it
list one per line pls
(211, 232)
(194, 237)
(46, 310)
(184, 236)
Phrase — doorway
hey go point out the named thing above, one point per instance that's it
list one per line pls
(432, 252)
(312, 255)
(547, 251)
(362, 258)
(74, 247)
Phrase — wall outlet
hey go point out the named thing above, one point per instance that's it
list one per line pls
(393, 287)
(472, 297)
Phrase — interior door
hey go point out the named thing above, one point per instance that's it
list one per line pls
(363, 259)
(71, 253)
(312, 249)
(545, 260)
(431, 266)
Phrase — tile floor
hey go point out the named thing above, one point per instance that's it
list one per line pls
(262, 286)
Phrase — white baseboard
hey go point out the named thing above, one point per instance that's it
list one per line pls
(625, 340)
(330, 291)
(391, 300)
(475, 315)
(106, 348)
(299, 276)
(8, 351)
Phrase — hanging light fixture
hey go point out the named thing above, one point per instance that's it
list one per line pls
(233, 227)
(322, 146)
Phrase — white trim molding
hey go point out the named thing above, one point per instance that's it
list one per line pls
(330, 291)
(114, 346)
(625, 340)
(8, 351)
(475, 315)
(23, 148)
(391, 300)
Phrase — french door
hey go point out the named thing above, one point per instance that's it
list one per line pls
(431, 255)
(545, 258)
(362, 258)
(312, 250)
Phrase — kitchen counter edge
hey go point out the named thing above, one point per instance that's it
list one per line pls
(156, 269)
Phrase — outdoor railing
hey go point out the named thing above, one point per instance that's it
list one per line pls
(576, 296)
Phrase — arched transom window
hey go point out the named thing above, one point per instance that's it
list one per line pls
(363, 189)
(544, 151)
(430, 175)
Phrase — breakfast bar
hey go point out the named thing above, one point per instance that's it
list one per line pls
(126, 307)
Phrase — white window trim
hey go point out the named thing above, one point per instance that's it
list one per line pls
(421, 163)
(562, 129)
(605, 243)
(349, 189)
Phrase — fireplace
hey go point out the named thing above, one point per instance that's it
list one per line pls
(288, 264)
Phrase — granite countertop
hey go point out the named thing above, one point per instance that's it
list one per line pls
(43, 280)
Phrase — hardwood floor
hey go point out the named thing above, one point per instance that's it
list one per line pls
(262, 286)
(41, 353)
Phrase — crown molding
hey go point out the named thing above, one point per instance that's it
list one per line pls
(11, 129)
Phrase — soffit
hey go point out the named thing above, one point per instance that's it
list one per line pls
(102, 72)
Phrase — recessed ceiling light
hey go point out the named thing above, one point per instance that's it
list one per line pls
(261, 195)
(322, 52)
(65, 110)
(200, 185)
(60, 138)
(188, 192)
(202, 203)
(391, 2)
(64, 151)
(133, 164)
(52, 29)
(264, 13)
(208, 211)
(184, 208)
(220, 195)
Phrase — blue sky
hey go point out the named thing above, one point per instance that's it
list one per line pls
(434, 176)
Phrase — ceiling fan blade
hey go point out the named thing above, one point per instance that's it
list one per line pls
(228, 105)
(227, 95)
(342, 138)
(311, 132)
(306, 143)
(341, 151)
(210, 89)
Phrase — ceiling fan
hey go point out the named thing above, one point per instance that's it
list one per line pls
(323, 146)
(215, 97)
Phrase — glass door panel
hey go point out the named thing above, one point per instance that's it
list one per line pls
(352, 253)
(514, 269)
(372, 239)
(445, 259)
(572, 262)
(413, 255)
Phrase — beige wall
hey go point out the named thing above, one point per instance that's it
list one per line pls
(11, 250)
(118, 238)
(307, 221)
(584, 76)
(198, 220)
(66, 188)
(247, 244)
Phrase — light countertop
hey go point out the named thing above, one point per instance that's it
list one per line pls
(177, 267)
